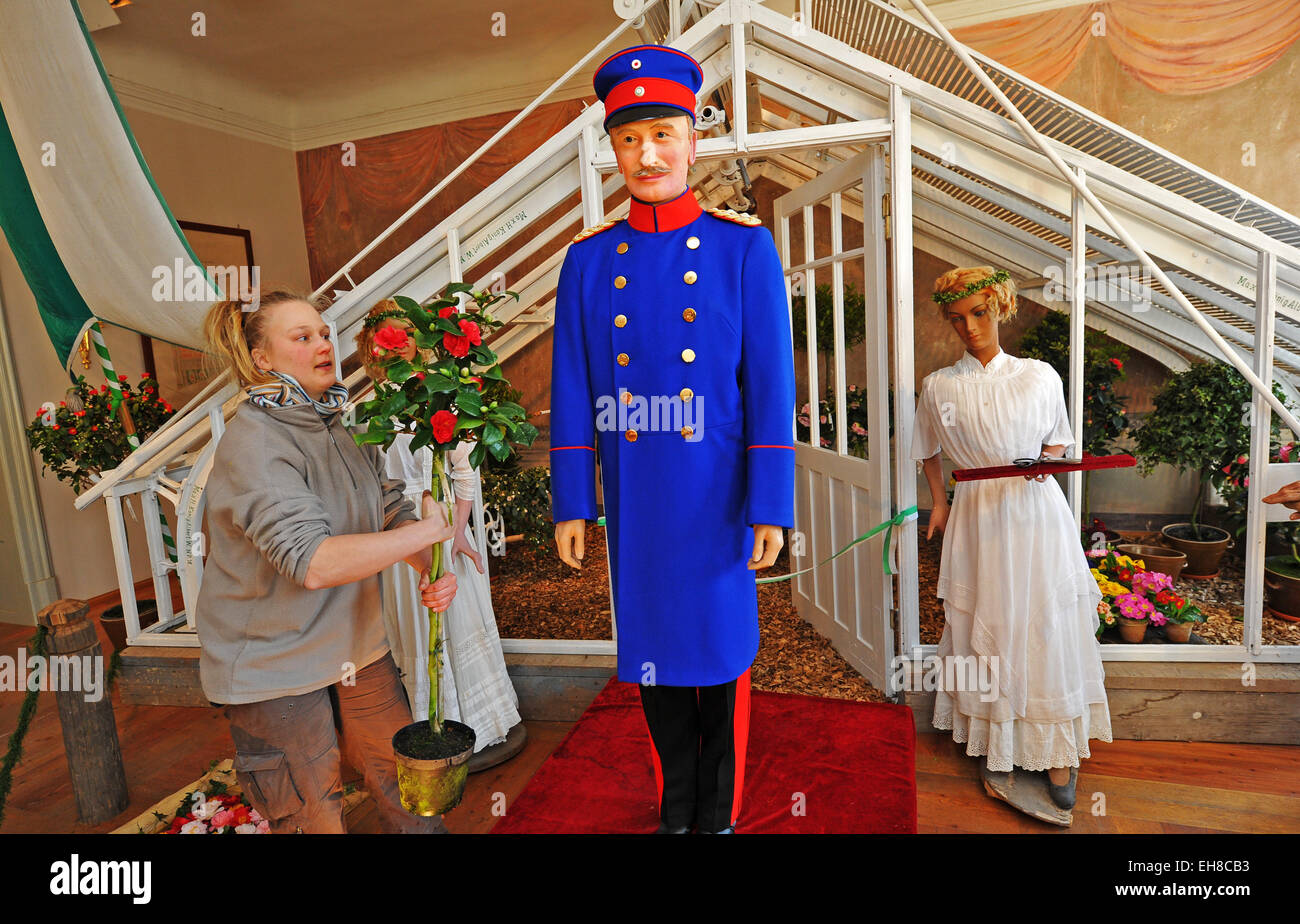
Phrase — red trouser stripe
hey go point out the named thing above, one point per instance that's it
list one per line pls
(741, 732)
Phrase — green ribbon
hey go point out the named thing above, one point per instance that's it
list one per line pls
(887, 526)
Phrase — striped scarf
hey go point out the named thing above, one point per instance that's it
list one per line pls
(287, 392)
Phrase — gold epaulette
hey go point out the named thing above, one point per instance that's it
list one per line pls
(732, 215)
(595, 229)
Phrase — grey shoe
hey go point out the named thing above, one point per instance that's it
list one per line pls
(1063, 796)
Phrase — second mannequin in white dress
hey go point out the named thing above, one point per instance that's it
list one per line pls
(1013, 577)
(474, 688)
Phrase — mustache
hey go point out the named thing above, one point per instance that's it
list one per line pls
(651, 171)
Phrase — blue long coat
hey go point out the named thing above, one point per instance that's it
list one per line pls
(681, 493)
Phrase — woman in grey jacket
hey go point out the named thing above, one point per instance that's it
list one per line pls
(300, 523)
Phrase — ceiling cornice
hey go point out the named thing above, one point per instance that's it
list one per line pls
(141, 96)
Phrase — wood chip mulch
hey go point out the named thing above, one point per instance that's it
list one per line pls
(1222, 599)
(535, 595)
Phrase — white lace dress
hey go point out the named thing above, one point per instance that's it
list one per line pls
(475, 688)
(1014, 579)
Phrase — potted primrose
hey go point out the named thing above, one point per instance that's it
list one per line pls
(1199, 423)
(438, 396)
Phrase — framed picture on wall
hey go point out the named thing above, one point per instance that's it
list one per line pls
(181, 372)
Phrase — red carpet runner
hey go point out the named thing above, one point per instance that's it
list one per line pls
(815, 766)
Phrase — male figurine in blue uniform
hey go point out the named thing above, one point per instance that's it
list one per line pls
(673, 364)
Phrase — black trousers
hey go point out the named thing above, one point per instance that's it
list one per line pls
(699, 735)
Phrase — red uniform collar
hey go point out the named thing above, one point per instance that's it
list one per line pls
(664, 216)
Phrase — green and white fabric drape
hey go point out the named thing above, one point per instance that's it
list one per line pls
(78, 205)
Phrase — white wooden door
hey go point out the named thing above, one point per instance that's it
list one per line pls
(841, 489)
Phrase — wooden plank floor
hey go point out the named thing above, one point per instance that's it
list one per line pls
(1148, 786)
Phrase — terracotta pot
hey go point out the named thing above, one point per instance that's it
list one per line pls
(1178, 631)
(432, 786)
(1203, 555)
(1132, 630)
(114, 622)
(1156, 558)
(1282, 586)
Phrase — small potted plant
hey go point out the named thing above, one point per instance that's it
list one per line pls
(439, 396)
(1134, 597)
(1198, 424)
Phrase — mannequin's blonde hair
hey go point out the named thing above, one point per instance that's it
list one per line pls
(233, 333)
(1001, 295)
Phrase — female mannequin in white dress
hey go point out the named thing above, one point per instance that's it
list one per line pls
(475, 688)
(1013, 577)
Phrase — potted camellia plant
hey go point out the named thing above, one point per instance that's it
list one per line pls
(1199, 424)
(438, 396)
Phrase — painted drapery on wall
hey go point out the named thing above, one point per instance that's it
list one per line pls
(1171, 46)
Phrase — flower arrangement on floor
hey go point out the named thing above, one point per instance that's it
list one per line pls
(216, 810)
(1134, 596)
(85, 435)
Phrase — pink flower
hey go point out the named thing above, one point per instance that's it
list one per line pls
(858, 429)
(1241, 460)
(1158, 619)
(222, 818)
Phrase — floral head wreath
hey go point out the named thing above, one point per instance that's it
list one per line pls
(374, 320)
(944, 298)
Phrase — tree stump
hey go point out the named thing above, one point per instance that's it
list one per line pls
(89, 731)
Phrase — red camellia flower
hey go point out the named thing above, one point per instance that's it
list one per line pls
(122, 378)
(72, 431)
(392, 338)
(94, 426)
(444, 426)
(470, 329)
(447, 312)
(456, 346)
(144, 375)
(1118, 364)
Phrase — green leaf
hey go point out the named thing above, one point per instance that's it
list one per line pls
(375, 436)
(466, 422)
(406, 303)
(399, 371)
(476, 455)
(423, 437)
(499, 451)
(525, 433)
(469, 400)
(455, 287)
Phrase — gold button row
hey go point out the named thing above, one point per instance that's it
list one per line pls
(689, 278)
(687, 432)
(688, 356)
(692, 242)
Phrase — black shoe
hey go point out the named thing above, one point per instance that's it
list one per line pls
(1063, 796)
(729, 829)
(664, 829)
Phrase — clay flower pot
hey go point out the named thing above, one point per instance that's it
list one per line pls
(1203, 549)
(1178, 631)
(1282, 586)
(432, 769)
(1132, 630)
(1156, 558)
